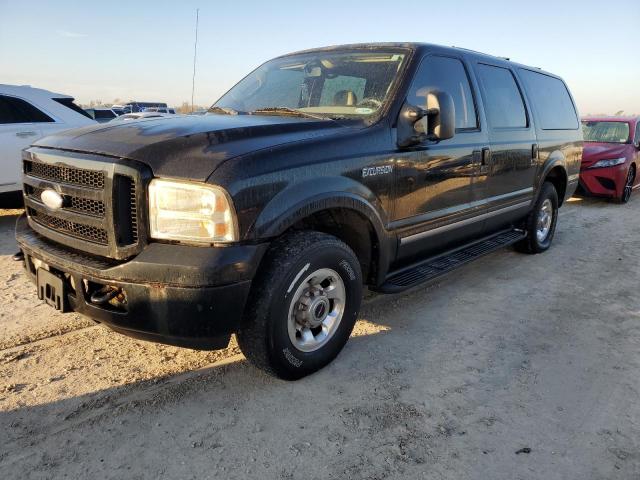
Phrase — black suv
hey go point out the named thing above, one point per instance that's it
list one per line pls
(383, 165)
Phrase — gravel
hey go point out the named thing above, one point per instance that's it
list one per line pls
(513, 367)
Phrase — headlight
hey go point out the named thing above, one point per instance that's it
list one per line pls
(612, 162)
(191, 212)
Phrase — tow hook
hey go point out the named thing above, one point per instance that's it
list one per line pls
(105, 295)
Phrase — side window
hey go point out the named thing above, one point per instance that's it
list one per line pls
(16, 110)
(503, 102)
(449, 75)
(637, 137)
(342, 89)
(69, 103)
(551, 100)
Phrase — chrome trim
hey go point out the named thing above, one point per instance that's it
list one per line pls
(111, 169)
(459, 210)
(462, 223)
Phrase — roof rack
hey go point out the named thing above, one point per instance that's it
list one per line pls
(480, 53)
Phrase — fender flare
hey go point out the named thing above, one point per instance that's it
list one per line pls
(303, 199)
(556, 159)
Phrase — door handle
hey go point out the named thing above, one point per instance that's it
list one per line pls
(486, 155)
(534, 154)
(485, 160)
(26, 134)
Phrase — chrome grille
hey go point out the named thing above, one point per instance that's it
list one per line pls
(100, 212)
(72, 176)
(94, 208)
(77, 230)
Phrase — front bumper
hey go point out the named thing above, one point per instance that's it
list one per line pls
(604, 182)
(180, 295)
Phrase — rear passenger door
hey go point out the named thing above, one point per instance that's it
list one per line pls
(508, 170)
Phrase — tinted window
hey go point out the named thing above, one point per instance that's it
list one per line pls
(104, 114)
(448, 75)
(551, 101)
(68, 102)
(503, 102)
(637, 137)
(16, 110)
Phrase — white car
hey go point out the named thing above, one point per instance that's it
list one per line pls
(127, 117)
(27, 114)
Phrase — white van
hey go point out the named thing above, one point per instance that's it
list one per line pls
(27, 114)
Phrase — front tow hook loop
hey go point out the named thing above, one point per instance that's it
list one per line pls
(104, 295)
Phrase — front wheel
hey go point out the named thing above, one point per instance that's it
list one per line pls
(540, 225)
(628, 185)
(303, 306)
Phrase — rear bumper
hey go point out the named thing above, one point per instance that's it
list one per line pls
(180, 295)
(604, 182)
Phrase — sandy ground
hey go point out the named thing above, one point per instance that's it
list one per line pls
(448, 381)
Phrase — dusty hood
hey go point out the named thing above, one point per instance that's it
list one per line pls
(189, 147)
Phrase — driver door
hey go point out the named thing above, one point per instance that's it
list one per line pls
(437, 205)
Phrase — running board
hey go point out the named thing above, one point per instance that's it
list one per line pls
(436, 266)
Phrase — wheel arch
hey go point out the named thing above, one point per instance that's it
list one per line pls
(555, 171)
(348, 211)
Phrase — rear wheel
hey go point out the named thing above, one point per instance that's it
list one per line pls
(628, 185)
(541, 222)
(303, 306)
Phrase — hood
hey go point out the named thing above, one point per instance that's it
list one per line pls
(593, 152)
(188, 147)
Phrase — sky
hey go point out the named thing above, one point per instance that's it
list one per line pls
(143, 49)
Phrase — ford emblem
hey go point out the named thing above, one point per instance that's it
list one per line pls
(51, 199)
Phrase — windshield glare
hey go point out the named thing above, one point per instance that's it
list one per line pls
(606, 132)
(331, 84)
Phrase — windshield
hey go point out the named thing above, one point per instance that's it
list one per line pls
(605, 132)
(346, 84)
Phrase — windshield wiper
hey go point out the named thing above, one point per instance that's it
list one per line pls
(287, 111)
(223, 110)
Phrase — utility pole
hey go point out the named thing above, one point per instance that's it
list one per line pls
(195, 52)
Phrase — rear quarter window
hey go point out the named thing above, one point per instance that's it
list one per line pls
(551, 101)
(69, 103)
(16, 110)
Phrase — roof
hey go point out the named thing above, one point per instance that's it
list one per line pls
(418, 46)
(611, 118)
(28, 90)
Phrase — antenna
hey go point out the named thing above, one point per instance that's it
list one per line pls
(195, 52)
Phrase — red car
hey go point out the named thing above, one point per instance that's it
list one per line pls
(611, 157)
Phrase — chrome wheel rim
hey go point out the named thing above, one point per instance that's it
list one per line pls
(545, 219)
(628, 187)
(316, 309)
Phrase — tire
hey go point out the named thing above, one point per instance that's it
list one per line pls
(539, 240)
(280, 332)
(628, 185)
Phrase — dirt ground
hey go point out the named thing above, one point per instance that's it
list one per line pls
(449, 381)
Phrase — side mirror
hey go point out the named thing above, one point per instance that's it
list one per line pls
(437, 122)
(442, 115)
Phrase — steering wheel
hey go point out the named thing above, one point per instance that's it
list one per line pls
(370, 102)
